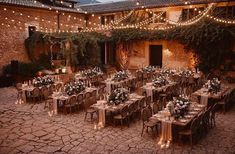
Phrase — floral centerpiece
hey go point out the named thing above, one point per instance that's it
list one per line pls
(91, 72)
(121, 75)
(118, 96)
(179, 106)
(43, 81)
(186, 73)
(213, 85)
(167, 72)
(74, 87)
(160, 81)
(148, 69)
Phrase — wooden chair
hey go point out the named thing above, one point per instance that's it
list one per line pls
(148, 101)
(42, 91)
(124, 115)
(146, 114)
(70, 103)
(19, 91)
(191, 131)
(156, 107)
(212, 115)
(58, 86)
(89, 109)
(224, 102)
(45, 95)
(80, 100)
(35, 94)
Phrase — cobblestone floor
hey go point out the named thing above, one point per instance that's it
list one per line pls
(27, 128)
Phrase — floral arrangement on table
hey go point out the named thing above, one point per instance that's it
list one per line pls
(119, 76)
(74, 87)
(179, 106)
(118, 96)
(160, 81)
(91, 72)
(43, 81)
(186, 73)
(213, 85)
(167, 72)
(148, 69)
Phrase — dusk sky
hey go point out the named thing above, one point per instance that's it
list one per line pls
(109, 0)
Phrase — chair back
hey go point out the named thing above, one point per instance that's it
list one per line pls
(36, 92)
(19, 86)
(93, 94)
(146, 114)
(148, 100)
(58, 86)
(72, 100)
(155, 107)
(88, 95)
(194, 125)
(125, 111)
(80, 98)
(45, 93)
(142, 103)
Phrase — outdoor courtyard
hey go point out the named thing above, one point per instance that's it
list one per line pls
(27, 128)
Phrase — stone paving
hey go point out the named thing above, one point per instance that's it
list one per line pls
(27, 128)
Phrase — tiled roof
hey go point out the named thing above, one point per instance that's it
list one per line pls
(131, 4)
(107, 7)
(38, 4)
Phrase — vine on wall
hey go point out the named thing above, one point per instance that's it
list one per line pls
(211, 42)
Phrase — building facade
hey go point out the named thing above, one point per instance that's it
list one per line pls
(20, 18)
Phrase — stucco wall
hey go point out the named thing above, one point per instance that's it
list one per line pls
(174, 54)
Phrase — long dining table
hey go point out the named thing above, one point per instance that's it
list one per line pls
(149, 88)
(60, 96)
(203, 95)
(168, 121)
(112, 83)
(102, 107)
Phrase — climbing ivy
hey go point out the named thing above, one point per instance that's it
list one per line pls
(209, 41)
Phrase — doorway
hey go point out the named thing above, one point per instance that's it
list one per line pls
(155, 55)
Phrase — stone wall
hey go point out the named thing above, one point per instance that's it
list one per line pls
(14, 29)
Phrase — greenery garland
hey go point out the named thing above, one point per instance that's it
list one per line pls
(84, 47)
(209, 41)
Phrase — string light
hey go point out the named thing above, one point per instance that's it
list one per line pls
(221, 20)
(115, 24)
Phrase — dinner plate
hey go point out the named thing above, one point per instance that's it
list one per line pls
(183, 120)
(192, 112)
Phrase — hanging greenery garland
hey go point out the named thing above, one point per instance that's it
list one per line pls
(211, 42)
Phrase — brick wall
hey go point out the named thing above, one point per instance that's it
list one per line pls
(12, 38)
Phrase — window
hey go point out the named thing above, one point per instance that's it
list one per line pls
(31, 30)
(104, 20)
(158, 20)
(189, 13)
(225, 12)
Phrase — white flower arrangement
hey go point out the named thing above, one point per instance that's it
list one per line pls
(91, 72)
(167, 72)
(119, 76)
(74, 88)
(186, 73)
(148, 69)
(213, 85)
(160, 81)
(179, 106)
(43, 81)
(118, 96)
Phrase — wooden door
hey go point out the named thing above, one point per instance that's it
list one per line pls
(155, 55)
